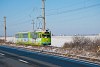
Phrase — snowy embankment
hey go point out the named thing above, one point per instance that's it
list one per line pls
(57, 41)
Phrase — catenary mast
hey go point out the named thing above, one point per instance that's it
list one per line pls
(43, 15)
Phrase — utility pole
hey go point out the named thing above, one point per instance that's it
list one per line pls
(43, 14)
(33, 25)
(5, 28)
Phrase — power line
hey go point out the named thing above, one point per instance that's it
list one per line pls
(20, 24)
(1, 21)
(23, 22)
(1, 27)
(20, 20)
(71, 5)
(2, 24)
(77, 9)
(24, 17)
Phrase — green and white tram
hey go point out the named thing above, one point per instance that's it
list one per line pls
(33, 38)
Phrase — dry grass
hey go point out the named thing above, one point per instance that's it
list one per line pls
(2, 41)
(82, 45)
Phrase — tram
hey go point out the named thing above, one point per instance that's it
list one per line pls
(33, 38)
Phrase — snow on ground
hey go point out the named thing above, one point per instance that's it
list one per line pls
(9, 39)
(57, 41)
(60, 40)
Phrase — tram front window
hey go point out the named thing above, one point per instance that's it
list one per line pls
(46, 36)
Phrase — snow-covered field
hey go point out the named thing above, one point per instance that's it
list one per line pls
(56, 40)
(60, 40)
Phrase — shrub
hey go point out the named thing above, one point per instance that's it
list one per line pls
(83, 43)
(2, 41)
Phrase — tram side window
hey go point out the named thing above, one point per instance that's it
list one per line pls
(35, 36)
(31, 35)
(25, 35)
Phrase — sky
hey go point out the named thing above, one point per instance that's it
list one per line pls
(63, 17)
